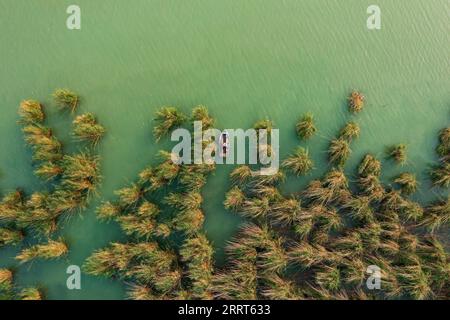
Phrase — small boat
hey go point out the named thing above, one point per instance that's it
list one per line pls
(224, 144)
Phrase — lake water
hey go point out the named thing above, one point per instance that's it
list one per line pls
(245, 60)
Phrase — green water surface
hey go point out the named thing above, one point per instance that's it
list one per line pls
(245, 60)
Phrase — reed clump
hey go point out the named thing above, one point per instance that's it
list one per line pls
(86, 128)
(408, 182)
(46, 147)
(440, 175)
(241, 175)
(328, 234)
(443, 149)
(369, 166)
(11, 206)
(305, 127)
(200, 113)
(51, 250)
(398, 153)
(316, 243)
(6, 284)
(10, 236)
(339, 151)
(197, 254)
(264, 124)
(356, 102)
(437, 215)
(81, 175)
(49, 171)
(167, 119)
(108, 211)
(66, 99)
(299, 162)
(146, 262)
(350, 131)
(31, 112)
(30, 294)
(234, 199)
(153, 266)
(73, 178)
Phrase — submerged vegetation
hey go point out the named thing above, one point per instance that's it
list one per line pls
(315, 243)
(149, 262)
(319, 242)
(9, 292)
(70, 181)
(72, 178)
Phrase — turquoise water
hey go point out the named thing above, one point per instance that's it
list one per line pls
(245, 60)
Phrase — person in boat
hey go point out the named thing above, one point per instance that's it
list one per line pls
(224, 143)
